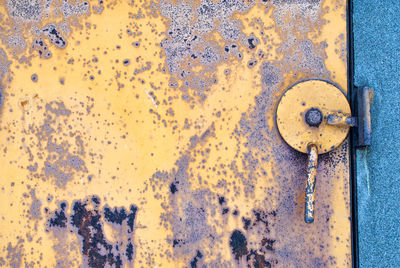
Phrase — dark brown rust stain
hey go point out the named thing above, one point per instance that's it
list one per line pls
(87, 223)
(59, 218)
(258, 224)
(256, 260)
(23, 103)
(238, 244)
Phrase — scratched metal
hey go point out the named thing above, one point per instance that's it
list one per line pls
(141, 133)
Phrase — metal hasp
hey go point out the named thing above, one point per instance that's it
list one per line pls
(312, 164)
(314, 117)
(361, 121)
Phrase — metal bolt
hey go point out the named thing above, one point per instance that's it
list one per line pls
(314, 117)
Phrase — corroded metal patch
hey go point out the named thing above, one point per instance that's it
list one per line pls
(141, 133)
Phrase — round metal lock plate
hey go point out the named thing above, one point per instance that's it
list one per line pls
(316, 99)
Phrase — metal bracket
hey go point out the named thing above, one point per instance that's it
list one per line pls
(362, 99)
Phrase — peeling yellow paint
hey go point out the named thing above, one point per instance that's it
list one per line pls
(138, 129)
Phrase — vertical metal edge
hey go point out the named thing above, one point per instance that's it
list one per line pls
(352, 97)
(364, 112)
(358, 109)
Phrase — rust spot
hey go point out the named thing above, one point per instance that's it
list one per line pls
(87, 221)
(173, 188)
(256, 254)
(23, 103)
(268, 243)
(256, 260)
(59, 219)
(238, 244)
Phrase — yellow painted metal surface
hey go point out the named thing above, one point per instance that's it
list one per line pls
(141, 133)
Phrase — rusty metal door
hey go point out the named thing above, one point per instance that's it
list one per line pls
(143, 134)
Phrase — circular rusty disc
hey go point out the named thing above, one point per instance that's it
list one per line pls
(303, 96)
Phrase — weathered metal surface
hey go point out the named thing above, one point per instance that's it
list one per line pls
(142, 134)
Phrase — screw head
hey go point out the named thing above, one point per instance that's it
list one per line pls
(314, 117)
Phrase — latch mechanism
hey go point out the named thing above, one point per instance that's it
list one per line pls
(314, 117)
